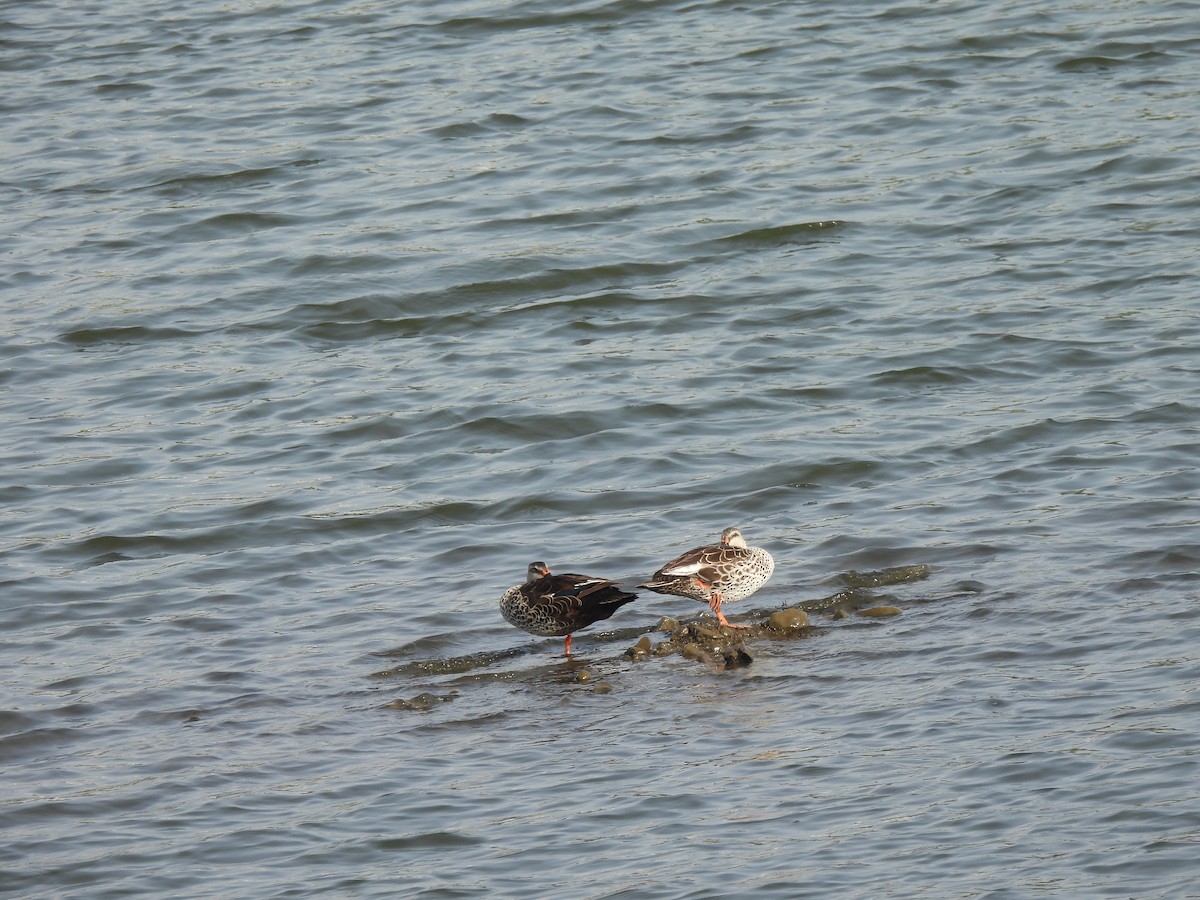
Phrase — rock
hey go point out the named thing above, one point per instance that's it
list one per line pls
(640, 650)
(667, 624)
(889, 576)
(787, 620)
(695, 652)
(880, 611)
(583, 676)
(738, 659)
(422, 702)
(840, 614)
(702, 634)
(602, 687)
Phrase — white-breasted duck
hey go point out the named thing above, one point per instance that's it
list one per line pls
(716, 573)
(556, 605)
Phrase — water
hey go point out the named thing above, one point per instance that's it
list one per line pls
(324, 319)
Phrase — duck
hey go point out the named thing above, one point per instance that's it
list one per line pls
(551, 605)
(716, 573)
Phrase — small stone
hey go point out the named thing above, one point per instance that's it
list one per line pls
(785, 620)
(880, 611)
(667, 624)
(692, 651)
(602, 687)
(583, 676)
(640, 650)
(665, 648)
(738, 659)
(840, 614)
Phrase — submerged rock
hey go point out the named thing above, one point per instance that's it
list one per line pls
(889, 576)
(696, 652)
(708, 644)
(787, 620)
(738, 659)
(421, 702)
(699, 633)
(705, 641)
(666, 648)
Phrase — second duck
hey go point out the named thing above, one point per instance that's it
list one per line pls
(716, 573)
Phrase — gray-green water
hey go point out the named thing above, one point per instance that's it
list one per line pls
(323, 319)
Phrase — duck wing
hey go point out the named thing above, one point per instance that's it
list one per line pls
(567, 596)
(709, 564)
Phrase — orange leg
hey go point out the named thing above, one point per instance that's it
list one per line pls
(714, 603)
(567, 646)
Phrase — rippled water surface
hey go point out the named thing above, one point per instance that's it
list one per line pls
(324, 319)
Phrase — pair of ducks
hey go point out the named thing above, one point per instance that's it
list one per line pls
(556, 605)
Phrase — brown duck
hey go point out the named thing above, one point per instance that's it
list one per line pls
(716, 573)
